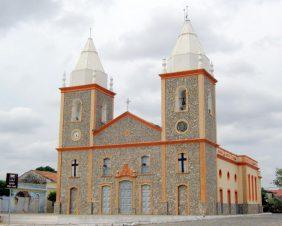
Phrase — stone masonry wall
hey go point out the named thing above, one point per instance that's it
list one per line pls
(101, 99)
(127, 130)
(80, 182)
(83, 125)
(211, 179)
(191, 116)
(210, 119)
(191, 178)
(132, 157)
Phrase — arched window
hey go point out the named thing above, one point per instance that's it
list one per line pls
(181, 99)
(220, 173)
(235, 177)
(106, 167)
(76, 110)
(221, 199)
(228, 175)
(182, 162)
(145, 164)
(104, 113)
(210, 102)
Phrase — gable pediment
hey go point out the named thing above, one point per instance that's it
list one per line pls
(127, 128)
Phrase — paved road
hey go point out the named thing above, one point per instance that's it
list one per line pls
(262, 220)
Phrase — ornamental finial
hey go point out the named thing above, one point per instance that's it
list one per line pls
(111, 83)
(212, 67)
(94, 77)
(64, 79)
(127, 104)
(164, 66)
(185, 10)
(90, 35)
(200, 61)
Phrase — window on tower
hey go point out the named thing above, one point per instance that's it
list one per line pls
(76, 110)
(106, 167)
(104, 114)
(145, 164)
(181, 99)
(210, 102)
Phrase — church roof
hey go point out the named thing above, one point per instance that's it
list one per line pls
(38, 177)
(128, 114)
(48, 175)
(89, 58)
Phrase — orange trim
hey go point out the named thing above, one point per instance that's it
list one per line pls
(127, 113)
(236, 163)
(87, 87)
(154, 143)
(245, 156)
(203, 173)
(188, 73)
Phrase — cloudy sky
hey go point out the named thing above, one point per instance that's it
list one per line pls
(40, 39)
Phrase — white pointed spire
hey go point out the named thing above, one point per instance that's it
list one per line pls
(88, 67)
(185, 54)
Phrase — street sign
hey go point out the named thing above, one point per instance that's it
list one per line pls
(12, 180)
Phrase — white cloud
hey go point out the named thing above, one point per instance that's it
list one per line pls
(19, 120)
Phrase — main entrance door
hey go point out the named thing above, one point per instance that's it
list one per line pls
(146, 198)
(73, 201)
(125, 197)
(106, 200)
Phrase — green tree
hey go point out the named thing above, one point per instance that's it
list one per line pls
(3, 190)
(46, 168)
(52, 197)
(278, 178)
(275, 205)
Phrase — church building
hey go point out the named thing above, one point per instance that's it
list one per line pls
(127, 165)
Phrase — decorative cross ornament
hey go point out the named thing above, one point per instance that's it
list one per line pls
(64, 79)
(111, 83)
(74, 166)
(182, 159)
(164, 66)
(127, 104)
(186, 18)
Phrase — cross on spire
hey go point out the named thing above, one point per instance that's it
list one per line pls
(185, 10)
(74, 166)
(127, 104)
(64, 79)
(182, 159)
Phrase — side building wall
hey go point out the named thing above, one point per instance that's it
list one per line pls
(235, 195)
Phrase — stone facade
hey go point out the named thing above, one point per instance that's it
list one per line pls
(192, 113)
(83, 125)
(123, 141)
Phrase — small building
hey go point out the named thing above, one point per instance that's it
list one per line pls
(32, 193)
(274, 194)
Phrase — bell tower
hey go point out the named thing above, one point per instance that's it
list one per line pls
(189, 119)
(188, 90)
(87, 104)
